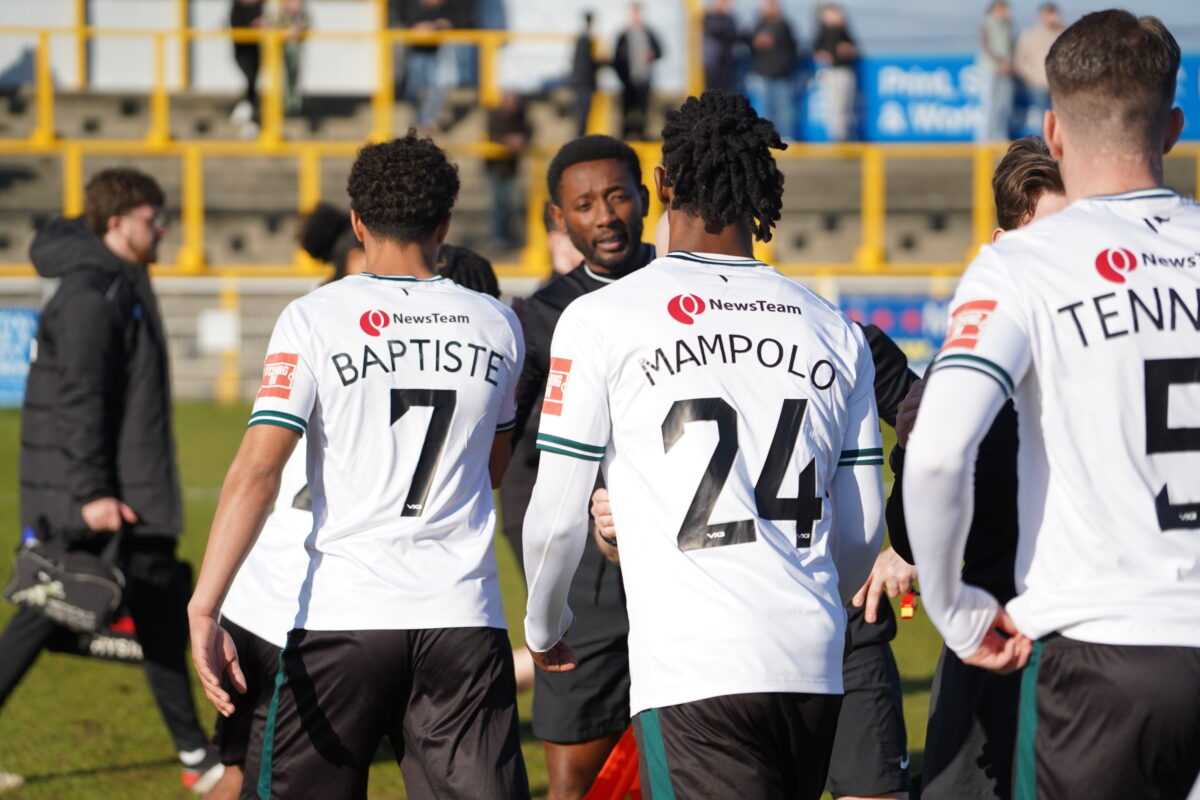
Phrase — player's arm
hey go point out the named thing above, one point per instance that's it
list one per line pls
(969, 382)
(856, 491)
(499, 458)
(246, 500)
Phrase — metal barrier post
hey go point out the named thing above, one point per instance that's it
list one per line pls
(308, 194)
(72, 177)
(983, 209)
(43, 133)
(384, 100)
(870, 254)
(184, 24)
(536, 255)
(695, 44)
(229, 377)
(160, 102)
(191, 253)
(272, 98)
(81, 45)
(489, 68)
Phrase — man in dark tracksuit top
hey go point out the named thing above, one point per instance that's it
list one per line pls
(598, 199)
(97, 448)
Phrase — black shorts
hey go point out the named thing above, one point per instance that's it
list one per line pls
(592, 700)
(446, 699)
(870, 751)
(259, 660)
(762, 746)
(1108, 722)
(971, 733)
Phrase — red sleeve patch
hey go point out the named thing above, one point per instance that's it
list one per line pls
(966, 323)
(279, 371)
(556, 386)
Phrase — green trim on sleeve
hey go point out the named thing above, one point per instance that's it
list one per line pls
(280, 414)
(559, 440)
(572, 453)
(504, 427)
(279, 423)
(979, 364)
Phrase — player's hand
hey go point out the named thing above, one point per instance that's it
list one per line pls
(602, 513)
(214, 654)
(107, 514)
(560, 658)
(891, 574)
(906, 412)
(999, 653)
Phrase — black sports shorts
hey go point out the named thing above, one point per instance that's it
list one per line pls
(591, 700)
(971, 733)
(870, 751)
(1108, 722)
(445, 697)
(763, 746)
(259, 660)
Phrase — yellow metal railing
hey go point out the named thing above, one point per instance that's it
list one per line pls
(869, 257)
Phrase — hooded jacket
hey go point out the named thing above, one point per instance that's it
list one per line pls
(96, 420)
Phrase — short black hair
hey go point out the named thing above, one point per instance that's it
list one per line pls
(115, 192)
(717, 158)
(468, 269)
(403, 189)
(593, 147)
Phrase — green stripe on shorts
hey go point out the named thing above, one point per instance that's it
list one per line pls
(268, 746)
(655, 754)
(1025, 779)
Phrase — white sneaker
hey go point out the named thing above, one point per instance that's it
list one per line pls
(243, 112)
(10, 781)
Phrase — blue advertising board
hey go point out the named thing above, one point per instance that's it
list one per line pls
(917, 323)
(18, 326)
(933, 98)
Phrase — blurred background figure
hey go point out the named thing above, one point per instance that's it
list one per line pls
(327, 236)
(720, 35)
(292, 18)
(775, 56)
(995, 63)
(637, 50)
(507, 125)
(423, 88)
(468, 269)
(837, 54)
(248, 56)
(1029, 60)
(583, 74)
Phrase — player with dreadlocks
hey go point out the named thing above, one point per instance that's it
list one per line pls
(733, 414)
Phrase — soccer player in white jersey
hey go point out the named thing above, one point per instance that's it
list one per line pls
(1091, 319)
(733, 411)
(403, 385)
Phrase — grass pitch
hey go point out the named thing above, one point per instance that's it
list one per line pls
(81, 728)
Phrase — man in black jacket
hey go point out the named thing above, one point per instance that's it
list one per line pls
(598, 199)
(97, 447)
(636, 51)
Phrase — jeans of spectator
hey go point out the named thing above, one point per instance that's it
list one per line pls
(839, 85)
(424, 90)
(635, 106)
(157, 587)
(780, 99)
(503, 192)
(466, 63)
(1039, 104)
(249, 58)
(997, 107)
(583, 109)
(291, 78)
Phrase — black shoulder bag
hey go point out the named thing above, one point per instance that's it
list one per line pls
(76, 589)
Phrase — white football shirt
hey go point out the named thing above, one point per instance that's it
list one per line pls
(264, 595)
(399, 386)
(721, 398)
(1091, 319)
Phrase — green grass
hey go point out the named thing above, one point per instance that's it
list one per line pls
(80, 728)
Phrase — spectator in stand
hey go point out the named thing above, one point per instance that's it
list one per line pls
(637, 50)
(292, 19)
(837, 55)
(247, 14)
(1029, 60)
(720, 35)
(775, 56)
(422, 85)
(995, 64)
(583, 74)
(464, 15)
(507, 125)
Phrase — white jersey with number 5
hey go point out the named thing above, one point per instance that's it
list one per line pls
(721, 397)
(1091, 318)
(399, 386)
